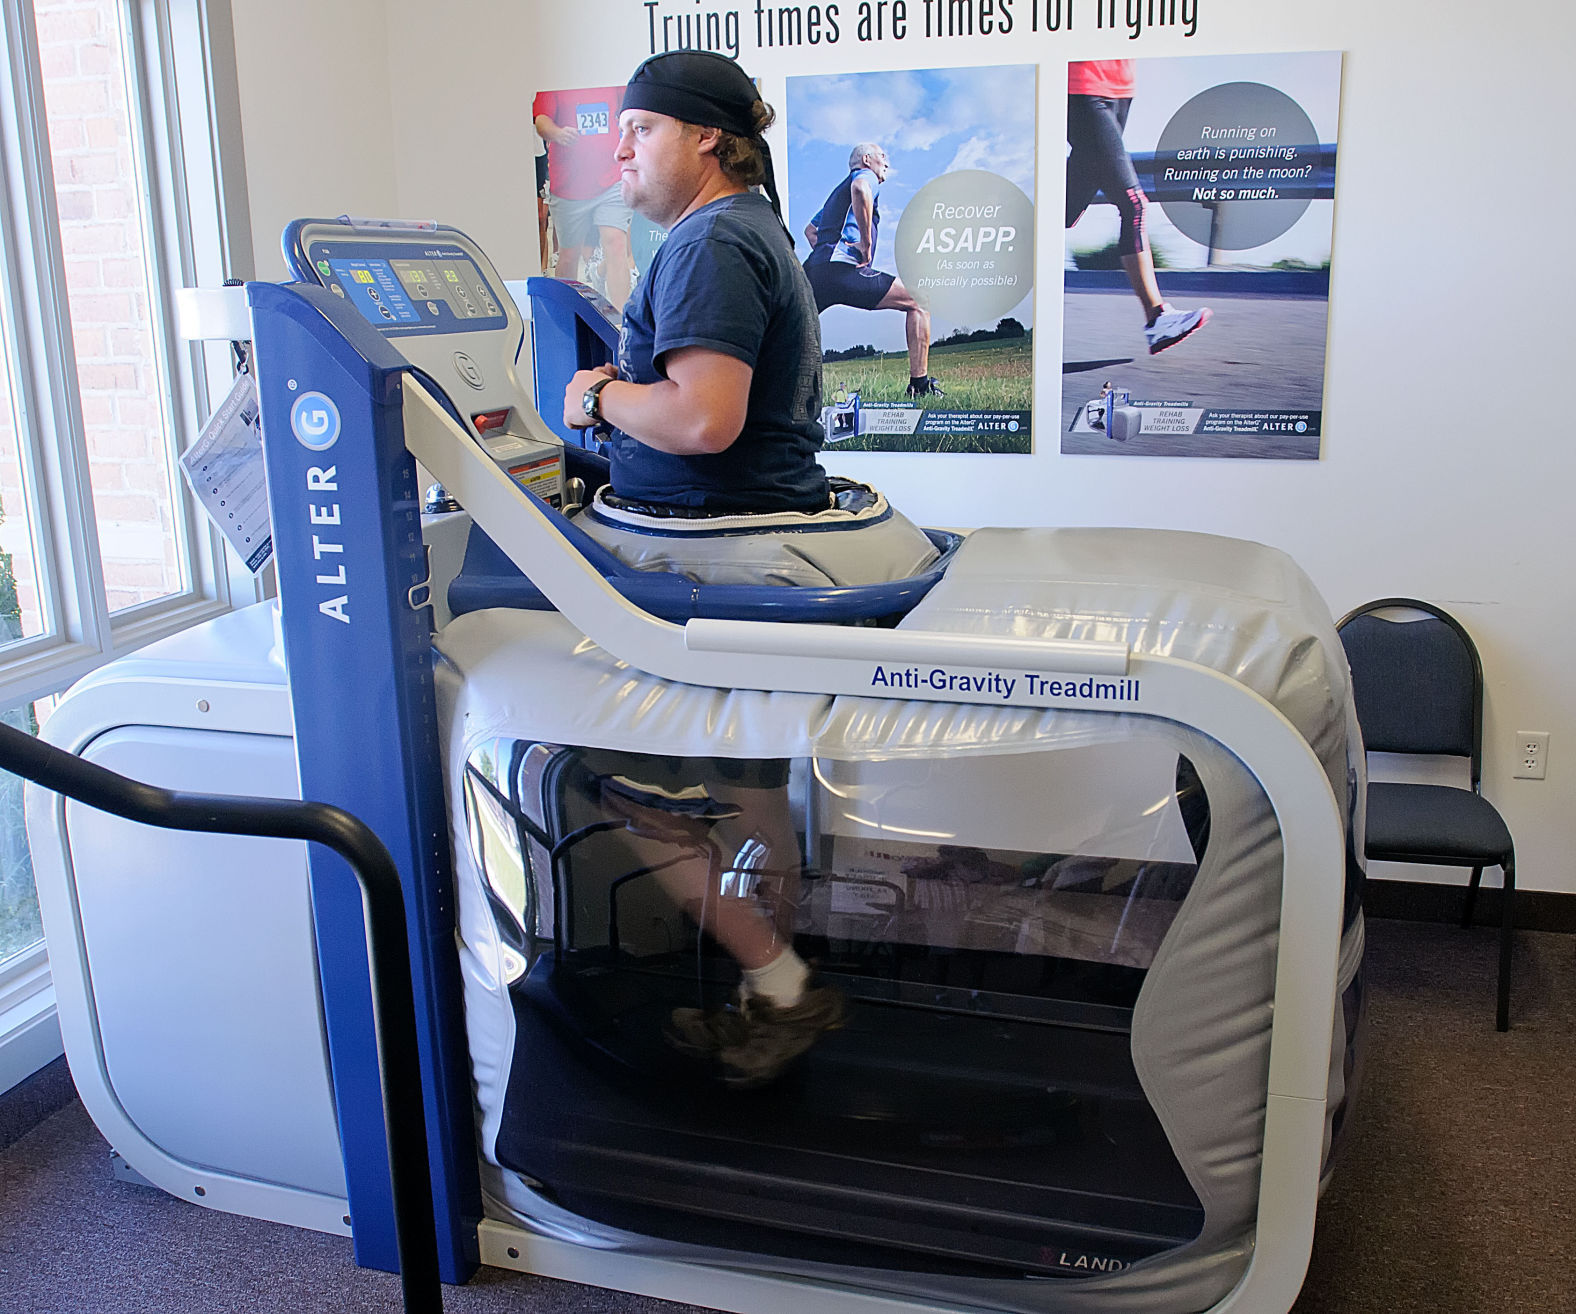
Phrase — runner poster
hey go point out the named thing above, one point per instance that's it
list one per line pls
(1200, 204)
(583, 224)
(911, 199)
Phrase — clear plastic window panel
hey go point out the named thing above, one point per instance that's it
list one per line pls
(886, 871)
(985, 922)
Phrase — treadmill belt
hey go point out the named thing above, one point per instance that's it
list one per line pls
(932, 1138)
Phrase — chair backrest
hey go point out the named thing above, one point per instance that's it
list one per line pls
(1417, 684)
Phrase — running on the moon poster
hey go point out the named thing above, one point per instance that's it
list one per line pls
(1200, 208)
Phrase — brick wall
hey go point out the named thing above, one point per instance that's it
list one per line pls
(106, 283)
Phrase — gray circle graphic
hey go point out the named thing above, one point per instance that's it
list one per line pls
(965, 246)
(1234, 165)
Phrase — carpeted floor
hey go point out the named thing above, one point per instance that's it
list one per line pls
(1457, 1195)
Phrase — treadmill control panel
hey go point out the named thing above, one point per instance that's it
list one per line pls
(436, 297)
(438, 289)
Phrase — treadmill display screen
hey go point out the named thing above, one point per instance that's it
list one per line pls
(456, 284)
(374, 291)
(410, 287)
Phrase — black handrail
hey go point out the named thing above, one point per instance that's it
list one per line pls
(383, 905)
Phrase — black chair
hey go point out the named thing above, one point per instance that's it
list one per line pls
(1418, 686)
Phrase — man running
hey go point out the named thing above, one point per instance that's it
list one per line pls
(1099, 94)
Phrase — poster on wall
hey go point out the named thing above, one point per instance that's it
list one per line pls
(1200, 204)
(584, 227)
(911, 193)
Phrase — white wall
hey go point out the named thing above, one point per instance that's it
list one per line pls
(315, 114)
(1446, 472)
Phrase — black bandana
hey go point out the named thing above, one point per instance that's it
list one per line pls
(706, 89)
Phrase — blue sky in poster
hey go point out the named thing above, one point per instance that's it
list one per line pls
(931, 121)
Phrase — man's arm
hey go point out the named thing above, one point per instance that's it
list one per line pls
(549, 131)
(810, 230)
(863, 199)
(698, 410)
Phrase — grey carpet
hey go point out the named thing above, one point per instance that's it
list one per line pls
(1456, 1195)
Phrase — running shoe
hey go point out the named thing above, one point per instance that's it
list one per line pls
(930, 386)
(753, 1041)
(1172, 325)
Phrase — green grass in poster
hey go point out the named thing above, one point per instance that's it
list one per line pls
(992, 376)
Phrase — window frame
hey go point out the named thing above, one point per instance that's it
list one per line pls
(184, 109)
(180, 63)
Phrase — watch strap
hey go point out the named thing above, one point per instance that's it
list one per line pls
(592, 400)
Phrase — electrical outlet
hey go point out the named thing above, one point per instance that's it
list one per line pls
(1532, 755)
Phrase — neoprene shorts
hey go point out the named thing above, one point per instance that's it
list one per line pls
(837, 284)
(1099, 162)
(679, 772)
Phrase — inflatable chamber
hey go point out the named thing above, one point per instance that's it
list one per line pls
(1062, 822)
(1055, 934)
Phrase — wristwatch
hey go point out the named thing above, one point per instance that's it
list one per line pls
(591, 403)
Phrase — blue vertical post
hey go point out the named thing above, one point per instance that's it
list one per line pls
(569, 332)
(347, 543)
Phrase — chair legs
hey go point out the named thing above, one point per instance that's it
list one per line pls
(1507, 928)
(1471, 902)
(1506, 932)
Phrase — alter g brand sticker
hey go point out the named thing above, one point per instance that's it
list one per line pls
(315, 421)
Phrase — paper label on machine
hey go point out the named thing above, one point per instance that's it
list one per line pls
(225, 470)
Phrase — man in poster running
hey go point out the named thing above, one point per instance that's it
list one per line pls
(580, 129)
(842, 239)
(1099, 93)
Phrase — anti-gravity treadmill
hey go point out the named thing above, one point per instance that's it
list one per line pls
(1068, 832)
(1057, 933)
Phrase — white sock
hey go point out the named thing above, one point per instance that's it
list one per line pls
(780, 982)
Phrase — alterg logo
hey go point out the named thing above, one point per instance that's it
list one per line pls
(315, 421)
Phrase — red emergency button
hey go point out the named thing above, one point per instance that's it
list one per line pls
(487, 421)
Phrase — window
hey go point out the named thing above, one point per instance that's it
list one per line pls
(20, 927)
(19, 614)
(110, 282)
(119, 171)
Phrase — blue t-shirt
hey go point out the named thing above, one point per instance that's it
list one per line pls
(836, 228)
(727, 280)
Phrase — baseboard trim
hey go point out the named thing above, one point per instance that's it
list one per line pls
(29, 1027)
(1424, 901)
(33, 1099)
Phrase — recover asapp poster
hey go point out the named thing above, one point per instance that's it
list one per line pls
(1200, 204)
(911, 196)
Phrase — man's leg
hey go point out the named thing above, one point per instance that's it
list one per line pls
(778, 1018)
(738, 925)
(567, 265)
(916, 329)
(1164, 325)
(761, 847)
(1140, 270)
(1095, 125)
(679, 831)
(542, 212)
(618, 269)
